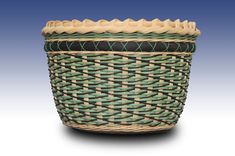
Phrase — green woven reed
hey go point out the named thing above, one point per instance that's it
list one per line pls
(121, 36)
(119, 89)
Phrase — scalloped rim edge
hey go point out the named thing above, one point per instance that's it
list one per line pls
(125, 26)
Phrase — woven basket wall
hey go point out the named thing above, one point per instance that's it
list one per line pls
(119, 82)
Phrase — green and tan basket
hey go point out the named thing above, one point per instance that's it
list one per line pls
(120, 76)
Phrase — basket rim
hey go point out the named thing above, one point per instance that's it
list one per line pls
(126, 26)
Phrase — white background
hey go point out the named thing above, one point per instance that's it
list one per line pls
(38, 131)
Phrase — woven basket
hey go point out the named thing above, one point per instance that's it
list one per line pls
(120, 76)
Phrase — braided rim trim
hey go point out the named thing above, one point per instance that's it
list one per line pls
(119, 128)
(119, 52)
(126, 26)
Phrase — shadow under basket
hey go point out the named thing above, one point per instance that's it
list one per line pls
(120, 78)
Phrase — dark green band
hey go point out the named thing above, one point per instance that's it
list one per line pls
(120, 46)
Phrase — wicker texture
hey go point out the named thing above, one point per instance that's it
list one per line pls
(94, 88)
(138, 86)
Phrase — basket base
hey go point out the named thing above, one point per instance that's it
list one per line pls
(120, 129)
